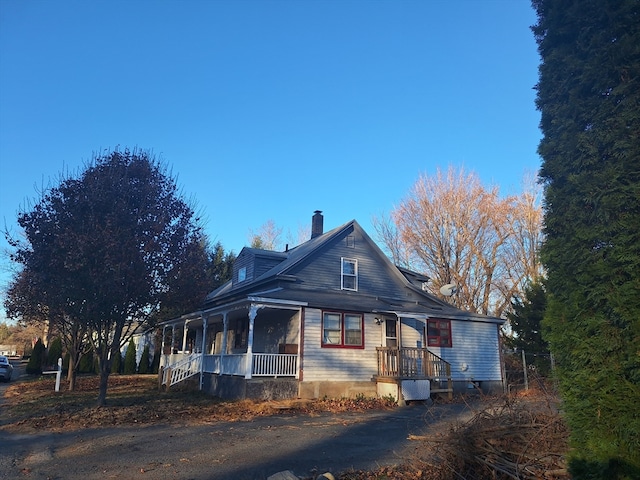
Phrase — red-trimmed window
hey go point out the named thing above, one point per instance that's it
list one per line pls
(438, 333)
(342, 330)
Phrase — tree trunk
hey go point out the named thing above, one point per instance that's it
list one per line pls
(71, 374)
(105, 370)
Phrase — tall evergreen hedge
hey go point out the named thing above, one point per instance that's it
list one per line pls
(37, 358)
(144, 366)
(130, 364)
(589, 99)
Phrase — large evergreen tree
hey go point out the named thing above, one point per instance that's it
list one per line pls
(589, 98)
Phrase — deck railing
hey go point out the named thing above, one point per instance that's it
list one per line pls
(411, 362)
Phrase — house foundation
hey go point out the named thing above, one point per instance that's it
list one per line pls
(232, 387)
(329, 389)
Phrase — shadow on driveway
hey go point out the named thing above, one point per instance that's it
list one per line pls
(307, 445)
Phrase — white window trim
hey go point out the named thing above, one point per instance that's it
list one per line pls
(354, 275)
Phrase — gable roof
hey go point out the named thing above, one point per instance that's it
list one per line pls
(277, 283)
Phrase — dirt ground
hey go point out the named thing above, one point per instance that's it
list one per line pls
(143, 433)
(186, 435)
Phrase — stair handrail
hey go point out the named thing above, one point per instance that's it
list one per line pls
(182, 369)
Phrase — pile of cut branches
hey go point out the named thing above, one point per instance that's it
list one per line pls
(518, 439)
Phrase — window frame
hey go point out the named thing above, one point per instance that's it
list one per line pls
(343, 275)
(343, 317)
(435, 337)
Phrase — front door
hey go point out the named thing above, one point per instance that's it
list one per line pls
(391, 333)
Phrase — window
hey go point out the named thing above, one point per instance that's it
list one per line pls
(342, 330)
(350, 241)
(349, 274)
(242, 274)
(439, 333)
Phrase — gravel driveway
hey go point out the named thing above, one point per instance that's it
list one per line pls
(305, 444)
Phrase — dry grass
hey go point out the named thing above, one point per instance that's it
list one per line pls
(521, 437)
(135, 399)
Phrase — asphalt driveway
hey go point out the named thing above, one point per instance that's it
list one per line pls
(306, 445)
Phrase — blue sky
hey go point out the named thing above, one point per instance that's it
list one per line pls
(269, 110)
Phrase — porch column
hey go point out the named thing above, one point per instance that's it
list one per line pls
(299, 370)
(184, 335)
(225, 332)
(253, 312)
(202, 349)
(204, 335)
(173, 338)
(163, 359)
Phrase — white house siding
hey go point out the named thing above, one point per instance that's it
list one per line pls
(338, 364)
(412, 333)
(475, 351)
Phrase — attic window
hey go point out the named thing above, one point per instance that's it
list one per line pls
(349, 274)
(242, 274)
(350, 241)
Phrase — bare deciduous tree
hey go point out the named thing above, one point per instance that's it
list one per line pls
(453, 229)
(269, 236)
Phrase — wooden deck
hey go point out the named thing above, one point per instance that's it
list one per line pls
(412, 363)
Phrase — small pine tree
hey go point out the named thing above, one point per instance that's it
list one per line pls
(54, 352)
(86, 363)
(116, 363)
(155, 364)
(130, 359)
(34, 366)
(144, 368)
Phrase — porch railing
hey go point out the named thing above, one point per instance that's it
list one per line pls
(274, 365)
(411, 362)
(262, 364)
(181, 370)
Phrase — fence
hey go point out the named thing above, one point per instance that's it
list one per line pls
(525, 370)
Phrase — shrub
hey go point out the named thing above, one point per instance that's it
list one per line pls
(144, 361)
(34, 366)
(86, 363)
(130, 366)
(116, 363)
(54, 352)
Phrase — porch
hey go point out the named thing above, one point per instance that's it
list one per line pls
(256, 341)
(181, 366)
(399, 364)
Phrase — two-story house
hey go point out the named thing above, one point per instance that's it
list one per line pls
(331, 317)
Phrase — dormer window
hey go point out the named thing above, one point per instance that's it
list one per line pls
(242, 274)
(349, 274)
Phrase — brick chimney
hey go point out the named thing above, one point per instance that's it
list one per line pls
(317, 224)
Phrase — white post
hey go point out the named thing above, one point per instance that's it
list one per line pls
(203, 349)
(58, 374)
(184, 335)
(253, 312)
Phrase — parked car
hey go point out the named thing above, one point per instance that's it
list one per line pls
(6, 369)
